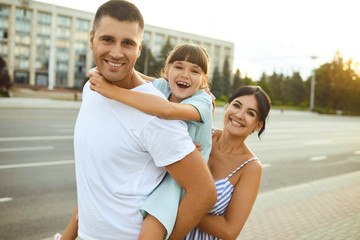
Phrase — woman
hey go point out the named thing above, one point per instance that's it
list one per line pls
(235, 168)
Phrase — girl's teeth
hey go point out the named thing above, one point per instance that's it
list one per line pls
(185, 84)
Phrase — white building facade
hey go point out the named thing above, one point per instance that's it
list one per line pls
(48, 45)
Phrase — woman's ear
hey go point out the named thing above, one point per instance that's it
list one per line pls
(259, 126)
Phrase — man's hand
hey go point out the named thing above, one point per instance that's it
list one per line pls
(192, 174)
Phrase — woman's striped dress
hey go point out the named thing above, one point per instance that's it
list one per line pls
(224, 192)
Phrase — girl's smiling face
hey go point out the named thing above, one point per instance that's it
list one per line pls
(184, 78)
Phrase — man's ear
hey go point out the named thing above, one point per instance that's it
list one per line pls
(140, 47)
(92, 40)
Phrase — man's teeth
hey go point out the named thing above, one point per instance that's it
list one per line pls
(183, 83)
(114, 64)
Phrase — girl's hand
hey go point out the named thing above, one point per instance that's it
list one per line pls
(198, 147)
(100, 85)
(92, 71)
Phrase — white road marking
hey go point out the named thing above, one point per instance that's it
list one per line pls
(318, 158)
(317, 142)
(35, 138)
(36, 164)
(70, 130)
(264, 165)
(26, 149)
(6, 199)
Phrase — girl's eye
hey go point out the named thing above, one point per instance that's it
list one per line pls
(178, 67)
(195, 71)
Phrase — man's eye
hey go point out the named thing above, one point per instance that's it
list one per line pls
(128, 43)
(107, 40)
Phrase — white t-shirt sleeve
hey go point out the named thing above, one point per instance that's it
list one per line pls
(167, 141)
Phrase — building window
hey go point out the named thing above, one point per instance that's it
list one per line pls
(147, 39)
(22, 44)
(4, 25)
(81, 46)
(158, 44)
(62, 49)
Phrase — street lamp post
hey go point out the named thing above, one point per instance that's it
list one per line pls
(312, 89)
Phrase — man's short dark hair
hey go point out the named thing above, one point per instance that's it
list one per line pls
(121, 10)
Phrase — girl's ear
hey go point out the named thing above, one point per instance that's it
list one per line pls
(205, 79)
(166, 71)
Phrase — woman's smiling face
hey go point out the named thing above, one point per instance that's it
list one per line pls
(242, 116)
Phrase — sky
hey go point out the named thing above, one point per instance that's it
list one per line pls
(269, 35)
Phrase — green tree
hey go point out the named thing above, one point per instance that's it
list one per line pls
(161, 59)
(264, 84)
(276, 82)
(217, 87)
(247, 80)
(5, 81)
(226, 76)
(337, 86)
(237, 81)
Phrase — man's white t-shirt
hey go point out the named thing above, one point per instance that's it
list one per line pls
(120, 154)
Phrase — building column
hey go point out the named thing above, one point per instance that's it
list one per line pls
(52, 53)
(71, 63)
(89, 53)
(11, 42)
(32, 57)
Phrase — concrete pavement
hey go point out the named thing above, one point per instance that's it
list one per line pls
(319, 210)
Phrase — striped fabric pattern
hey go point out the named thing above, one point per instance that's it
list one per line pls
(224, 192)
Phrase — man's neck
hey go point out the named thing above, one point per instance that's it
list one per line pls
(131, 81)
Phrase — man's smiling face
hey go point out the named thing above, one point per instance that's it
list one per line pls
(116, 45)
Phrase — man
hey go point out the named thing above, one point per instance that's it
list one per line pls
(121, 154)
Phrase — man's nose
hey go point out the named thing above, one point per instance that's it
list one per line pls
(117, 52)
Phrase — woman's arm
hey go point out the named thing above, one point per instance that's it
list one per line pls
(245, 192)
(72, 228)
(144, 102)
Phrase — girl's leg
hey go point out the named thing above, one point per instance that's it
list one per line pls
(152, 229)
